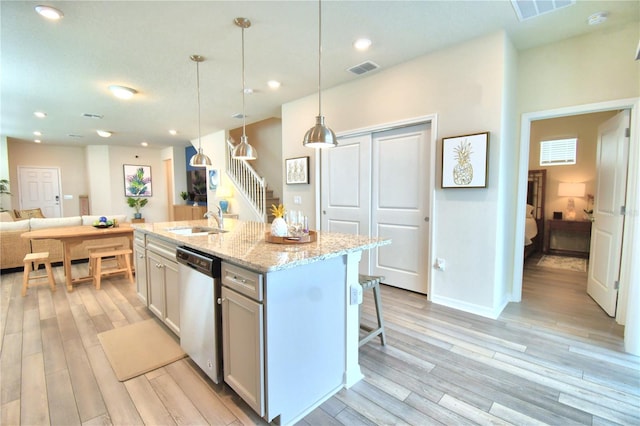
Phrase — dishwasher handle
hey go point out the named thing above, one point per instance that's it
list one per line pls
(207, 265)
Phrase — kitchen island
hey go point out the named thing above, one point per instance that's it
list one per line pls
(299, 335)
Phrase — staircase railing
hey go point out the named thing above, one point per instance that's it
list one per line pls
(248, 181)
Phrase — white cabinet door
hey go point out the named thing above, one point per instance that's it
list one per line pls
(243, 347)
(172, 296)
(140, 260)
(155, 273)
(164, 293)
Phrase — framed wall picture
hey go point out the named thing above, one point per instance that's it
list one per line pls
(214, 179)
(465, 161)
(137, 181)
(297, 170)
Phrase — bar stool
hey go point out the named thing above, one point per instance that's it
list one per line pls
(124, 258)
(102, 247)
(373, 282)
(31, 262)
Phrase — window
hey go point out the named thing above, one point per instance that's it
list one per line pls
(558, 152)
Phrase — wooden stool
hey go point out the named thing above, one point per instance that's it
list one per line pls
(103, 247)
(373, 282)
(33, 261)
(124, 258)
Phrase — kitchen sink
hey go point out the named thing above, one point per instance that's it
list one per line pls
(193, 231)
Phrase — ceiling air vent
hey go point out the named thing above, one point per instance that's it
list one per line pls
(363, 68)
(527, 9)
(89, 115)
(73, 135)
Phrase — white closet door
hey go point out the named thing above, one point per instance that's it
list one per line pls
(400, 206)
(377, 185)
(346, 189)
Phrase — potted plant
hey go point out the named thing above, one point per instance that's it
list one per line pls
(4, 189)
(137, 203)
(185, 196)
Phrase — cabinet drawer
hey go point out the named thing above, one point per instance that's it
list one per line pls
(242, 280)
(139, 238)
(162, 247)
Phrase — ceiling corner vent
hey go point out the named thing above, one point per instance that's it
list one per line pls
(527, 9)
(90, 115)
(363, 68)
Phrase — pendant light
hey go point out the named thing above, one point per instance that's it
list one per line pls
(243, 151)
(199, 159)
(320, 136)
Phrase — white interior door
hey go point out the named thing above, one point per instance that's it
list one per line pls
(400, 206)
(377, 185)
(346, 189)
(606, 232)
(40, 187)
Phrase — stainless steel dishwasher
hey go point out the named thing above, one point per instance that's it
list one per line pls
(200, 315)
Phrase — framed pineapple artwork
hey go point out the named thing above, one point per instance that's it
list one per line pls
(465, 161)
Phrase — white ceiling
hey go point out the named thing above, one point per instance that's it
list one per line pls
(64, 67)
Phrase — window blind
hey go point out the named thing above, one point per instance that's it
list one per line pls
(558, 152)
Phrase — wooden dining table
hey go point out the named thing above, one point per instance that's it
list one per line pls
(71, 236)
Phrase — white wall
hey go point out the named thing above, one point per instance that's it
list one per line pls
(464, 86)
(69, 160)
(580, 70)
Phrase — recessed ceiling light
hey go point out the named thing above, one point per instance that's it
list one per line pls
(144, 143)
(173, 132)
(37, 133)
(37, 140)
(103, 133)
(248, 91)
(273, 84)
(362, 44)
(597, 18)
(122, 92)
(40, 114)
(49, 12)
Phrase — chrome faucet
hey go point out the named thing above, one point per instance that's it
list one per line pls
(218, 217)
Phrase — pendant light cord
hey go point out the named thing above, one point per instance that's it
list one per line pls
(244, 116)
(198, 86)
(320, 58)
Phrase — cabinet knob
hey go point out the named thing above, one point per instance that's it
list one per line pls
(220, 300)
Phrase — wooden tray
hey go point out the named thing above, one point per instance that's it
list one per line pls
(309, 238)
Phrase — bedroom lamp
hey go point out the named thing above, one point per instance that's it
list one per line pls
(571, 190)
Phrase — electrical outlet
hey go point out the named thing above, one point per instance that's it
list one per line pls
(297, 199)
(356, 294)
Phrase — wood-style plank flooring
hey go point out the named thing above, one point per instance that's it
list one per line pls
(555, 358)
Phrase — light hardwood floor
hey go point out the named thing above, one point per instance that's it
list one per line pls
(555, 358)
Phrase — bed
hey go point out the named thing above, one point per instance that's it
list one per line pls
(534, 212)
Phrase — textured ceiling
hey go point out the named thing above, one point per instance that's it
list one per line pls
(64, 67)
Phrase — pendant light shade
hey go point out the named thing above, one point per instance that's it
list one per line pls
(320, 136)
(199, 159)
(244, 151)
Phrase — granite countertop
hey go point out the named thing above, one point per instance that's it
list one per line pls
(244, 244)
